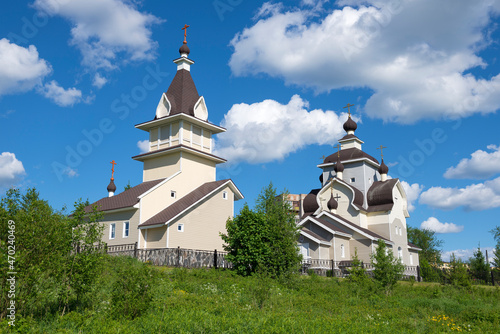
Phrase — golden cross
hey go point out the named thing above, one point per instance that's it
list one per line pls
(322, 157)
(337, 197)
(338, 147)
(348, 106)
(185, 32)
(381, 150)
(113, 170)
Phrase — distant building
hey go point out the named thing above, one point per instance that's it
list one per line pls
(355, 206)
(179, 203)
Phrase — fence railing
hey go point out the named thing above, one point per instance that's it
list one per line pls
(173, 257)
(342, 268)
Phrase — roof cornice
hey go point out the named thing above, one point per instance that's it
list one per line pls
(146, 126)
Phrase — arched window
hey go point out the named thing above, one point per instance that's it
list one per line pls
(411, 259)
(396, 229)
(400, 231)
(342, 251)
(400, 253)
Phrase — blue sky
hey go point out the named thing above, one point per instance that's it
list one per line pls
(76, 76)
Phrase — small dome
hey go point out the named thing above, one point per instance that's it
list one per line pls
(339, 167)
(184, 49)
(350, 125)
(383, 169)
(321, 178)
(111, 186)
(310, 204)
(332, 203)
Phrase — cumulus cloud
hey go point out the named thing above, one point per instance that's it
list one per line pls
(60, 96)
(480, 196)
(412, 193)
(481, 165)
(99, 81)
(268, 130)
(101, 29)
(414, 55)
(11, 169)
(21, 69)
(466, 254)
(433, 224)
(143, 145)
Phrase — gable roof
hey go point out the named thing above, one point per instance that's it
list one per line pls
(182, 93)
(126, 199)
(190, 200)
(355, 227)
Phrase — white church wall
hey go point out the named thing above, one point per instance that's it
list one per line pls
(118, 218)
(202, 225)
(161, 167)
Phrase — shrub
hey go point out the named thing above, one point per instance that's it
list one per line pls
(387, 269)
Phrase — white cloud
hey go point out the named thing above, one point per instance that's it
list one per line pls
(99, 81)
(466, 254)
(412, 193)
(435, 225)
(143, 145)
(21, 69)
(481, 165)
(11, 169)
(414, 55)
(70, 172)
(101, 29)
(268, 130)
(62, 97)
(474, 197)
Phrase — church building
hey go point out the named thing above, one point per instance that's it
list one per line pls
(355, 206)
(179, 203)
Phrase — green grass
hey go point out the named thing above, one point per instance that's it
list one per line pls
(210, 301)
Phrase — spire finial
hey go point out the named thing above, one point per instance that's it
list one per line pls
(338, 147)
(348, 106)
(113, 163)
(185, 33)
(381, 148)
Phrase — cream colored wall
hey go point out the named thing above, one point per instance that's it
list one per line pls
(339, 240)
(345, 208)
(203, 224)
(397, 218)
(207, 139)
(379, 223)
(363, 246)
(132, 216)
(161, 167)
(157, 237)
(175, 134)
(200, 170)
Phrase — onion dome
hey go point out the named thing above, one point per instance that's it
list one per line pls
(321, 178)
(339, 167)
(310, 204)
(184, 49)
(383, 169)
(350, 125)
(332, 203)
(111, 186)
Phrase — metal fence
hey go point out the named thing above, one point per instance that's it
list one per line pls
(342, 268)
(173, 257)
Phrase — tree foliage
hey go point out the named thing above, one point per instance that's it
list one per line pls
(496, 251)
(263, 239)
(430, 255)
(51, 275)
(478, 267)
(387, 269)
(457, 274)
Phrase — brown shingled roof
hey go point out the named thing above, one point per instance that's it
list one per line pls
(379, 196)
(349, 154)
(182, 93)
(312, 234)
(184, 203)
(330, 225)
(126, 199)
(373, 234)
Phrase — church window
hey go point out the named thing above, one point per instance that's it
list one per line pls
(224, 194)
(180, 227)
(400, 253)
(342, 251)
(400, 231)
(126, 227)
(304, 250)
(165, 134)
(172, 194)
(112, 230)
(396, 229)
(353, 179)
(411, 259)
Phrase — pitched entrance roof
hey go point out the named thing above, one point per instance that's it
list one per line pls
(187, 202)
(125, 199)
